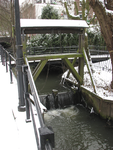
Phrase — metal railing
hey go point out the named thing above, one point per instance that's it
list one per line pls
(6, 59)
(39, 50)
(44, 135)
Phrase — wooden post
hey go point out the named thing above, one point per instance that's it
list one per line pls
(81, 59)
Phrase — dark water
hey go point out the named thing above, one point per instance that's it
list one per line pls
(48, 81)
(74, 128)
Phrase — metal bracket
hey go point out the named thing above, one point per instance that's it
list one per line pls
(46, 134)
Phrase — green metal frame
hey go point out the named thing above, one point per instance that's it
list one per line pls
(39, 68)
(78, 75)
(44, 58)
(53, 56)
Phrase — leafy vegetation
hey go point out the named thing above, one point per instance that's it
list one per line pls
(62, 40)
(49, 12)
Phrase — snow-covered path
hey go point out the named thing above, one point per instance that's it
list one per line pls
(15, 133)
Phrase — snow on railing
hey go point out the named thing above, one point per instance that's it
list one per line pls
(44, 135)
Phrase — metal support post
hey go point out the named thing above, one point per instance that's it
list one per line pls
(10, 69)
(19, 60)
(26, 94)
(0, 49)
(46, 135)
(1, 55)
(6, 61)
(3, 59)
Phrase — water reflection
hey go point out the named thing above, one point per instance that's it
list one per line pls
(75, 129)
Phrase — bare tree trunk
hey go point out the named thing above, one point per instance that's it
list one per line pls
(111, 55)
(109, 4)
(105, 21)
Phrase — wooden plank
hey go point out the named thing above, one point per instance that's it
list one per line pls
(72, 70)
(49, 31)
(53, 56)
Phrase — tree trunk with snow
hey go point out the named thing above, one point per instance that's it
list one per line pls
(109, 4)
(105, 19)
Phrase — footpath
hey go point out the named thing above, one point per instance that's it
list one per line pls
(15, 133)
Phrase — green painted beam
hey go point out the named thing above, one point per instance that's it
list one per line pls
(81, 67)
(39, 69)
(53, 56)
(72, 70)
(89, 69)
(35, 70)
(81, 60)
(74, 61)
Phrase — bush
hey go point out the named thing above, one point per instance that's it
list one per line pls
(49, 12)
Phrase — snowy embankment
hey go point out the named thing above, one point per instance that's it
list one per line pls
(102, 75)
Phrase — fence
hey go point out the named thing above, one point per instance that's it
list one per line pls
(44, 135)
(5, 58)
(94, 50)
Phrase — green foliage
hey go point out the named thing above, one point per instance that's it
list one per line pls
(95, 39)
(62, 40)
(49, 12)
(53, 40)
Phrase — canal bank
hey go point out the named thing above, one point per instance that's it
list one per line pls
(101, 106)
(102, 99)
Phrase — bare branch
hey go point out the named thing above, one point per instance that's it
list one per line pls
(109, 4)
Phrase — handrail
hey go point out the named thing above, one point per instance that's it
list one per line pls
(44, 135)
(4, 55)
(35, 94)
(9, 54)
(64, 49)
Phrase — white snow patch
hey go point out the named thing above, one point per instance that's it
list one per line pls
(102, 75)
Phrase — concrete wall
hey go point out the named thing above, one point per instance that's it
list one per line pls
(103, 107)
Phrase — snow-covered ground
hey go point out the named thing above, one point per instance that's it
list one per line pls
(102, 75)
(15, 133)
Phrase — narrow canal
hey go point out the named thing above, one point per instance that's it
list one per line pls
(74, 127)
